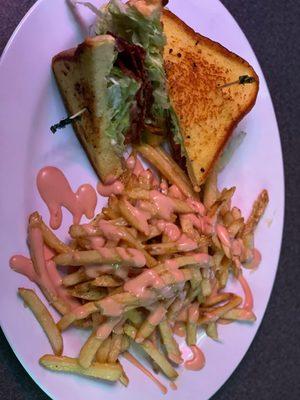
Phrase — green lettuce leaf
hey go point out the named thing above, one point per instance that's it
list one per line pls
(126, 21)
(121, 91)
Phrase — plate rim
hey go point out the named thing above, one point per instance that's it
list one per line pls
(18, 355)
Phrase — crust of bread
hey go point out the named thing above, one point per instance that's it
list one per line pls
(195, 67)
(78, 92)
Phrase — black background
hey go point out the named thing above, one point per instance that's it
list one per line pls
(271, 368)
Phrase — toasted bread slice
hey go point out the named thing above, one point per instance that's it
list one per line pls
(196, 67)
(80, 74)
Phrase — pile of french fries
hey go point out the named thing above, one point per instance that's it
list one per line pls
(89, 279)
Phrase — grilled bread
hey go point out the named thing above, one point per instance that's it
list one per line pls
(196, 67)
(81, 76)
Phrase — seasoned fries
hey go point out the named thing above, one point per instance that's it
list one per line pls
(156, 260)
(45, 319)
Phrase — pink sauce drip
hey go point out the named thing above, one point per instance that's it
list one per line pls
(23, 265)
(248, 303)
(157, 316)
(175, 192)
(106, 190)
(237, 247)
(198, 360)
(56, 191)
(223, 235)
(183, 315)
(186, 244)
(129, 357)
(179, 329)
(93, 271)
(170, 230)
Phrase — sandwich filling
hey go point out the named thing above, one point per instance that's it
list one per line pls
(137, 93)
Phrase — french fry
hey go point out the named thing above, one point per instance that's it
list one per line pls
(235, 227)
(103, 351)
(169, 342)
(212, 330)
(89, 350)
(106, 281)
(123, 378)
(168, 168)
(109, 372)
(211, 192)
(44, 318)
(257, 212)
(129, 213)
(75, 278)
(240, 314)
(49, 237)
(115, 348)
(88, 291)
(101, 256)
(81, 312)
(218, 312)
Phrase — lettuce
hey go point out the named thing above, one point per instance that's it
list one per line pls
(121, 92)
(127, 22)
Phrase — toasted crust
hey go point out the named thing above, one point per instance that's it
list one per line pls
(195, 67)
(76, 77)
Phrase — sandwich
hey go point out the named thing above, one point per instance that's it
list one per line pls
(146, 76)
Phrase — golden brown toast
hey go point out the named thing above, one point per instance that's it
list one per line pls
(80, 74)
(195, 67)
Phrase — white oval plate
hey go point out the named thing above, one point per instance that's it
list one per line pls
(30, 103)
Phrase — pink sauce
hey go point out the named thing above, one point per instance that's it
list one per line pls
(183, 315)
(97, 242)
(56, 191)
(164, 187)
(170, 230)
(197, 206)
(197, 362)
(129, 357)
(223, 235)
(140, 285)
(173, 386)
(202, 259)
(186, 244)
(132, 257)
(141, 216)
(179, 329)
(107, 327)
(248, 303)
(110, 231)
(93, 271)
(157, 316)
(23, 265)
(173, 267)
(112, 308)
(175, 192)
(106, 190)
(164, 205)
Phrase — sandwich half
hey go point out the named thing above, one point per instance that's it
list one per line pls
(197, 69)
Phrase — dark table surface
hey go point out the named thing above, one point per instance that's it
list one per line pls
(271, 368)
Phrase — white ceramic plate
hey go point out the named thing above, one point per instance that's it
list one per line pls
(30, 103)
